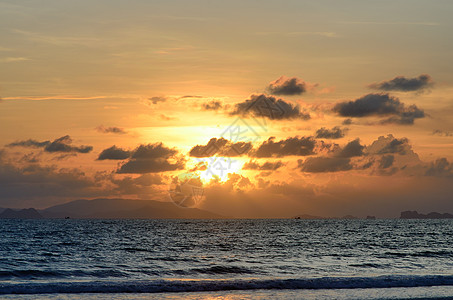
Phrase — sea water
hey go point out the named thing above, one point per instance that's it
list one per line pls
(226, 259)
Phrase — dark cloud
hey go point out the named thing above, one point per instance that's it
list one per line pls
(155, 100)
(334, 133)
(386, 161)
(287, 86)
(396, 146)
(190, 96)
(440, 168)
(347, 122)
(32, 185)
(30, 143)
(407, 116)
(299, 146)
(64, 156)
(116, 130)
(371, 104)
(325, 164)
(220, 147)
(366, 165)
(351, 149)
(403, 84)
(390, 145)
(442, 133)
(337, 159)
(387, 154)
(267, 166)
(30, 158)
(269, 107)
(62, 144)
(114, 153)
(152, 158)
(212, 105)
(33, 181)
(380, 105)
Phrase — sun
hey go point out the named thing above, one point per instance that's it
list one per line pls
(210, 168)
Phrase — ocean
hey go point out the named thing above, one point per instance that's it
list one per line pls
(226, 259)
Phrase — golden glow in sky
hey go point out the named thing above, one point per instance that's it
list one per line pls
(281, 107)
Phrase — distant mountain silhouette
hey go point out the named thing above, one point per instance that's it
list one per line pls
(308, 217)
(349, 217)
(432, 215)
(29, 213)
(125, 209)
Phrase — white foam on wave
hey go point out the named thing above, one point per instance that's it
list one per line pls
(192, 285)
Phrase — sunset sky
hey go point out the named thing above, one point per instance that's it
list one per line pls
(343, 107)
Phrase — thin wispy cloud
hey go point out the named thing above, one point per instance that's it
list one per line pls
(13, 59)
(59, 40)
(58, 97)
(174, 50)
(328, 34)
(391, 23)
(185, 18)
(62, 144)
(166, 118)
